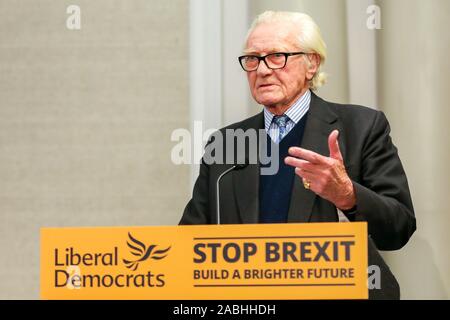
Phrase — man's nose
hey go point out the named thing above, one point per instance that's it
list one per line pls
(263, 69)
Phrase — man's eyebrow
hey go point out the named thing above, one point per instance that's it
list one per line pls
(251, 51)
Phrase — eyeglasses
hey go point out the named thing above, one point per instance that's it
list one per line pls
(273, 61)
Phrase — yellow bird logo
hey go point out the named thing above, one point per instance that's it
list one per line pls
(140, 250)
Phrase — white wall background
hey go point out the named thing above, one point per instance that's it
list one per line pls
(414, 78)
(85, 122)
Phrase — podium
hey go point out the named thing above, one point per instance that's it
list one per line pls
(210, 262)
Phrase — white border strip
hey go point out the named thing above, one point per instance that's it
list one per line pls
(205, 72)
(218, 87)
(362, 54)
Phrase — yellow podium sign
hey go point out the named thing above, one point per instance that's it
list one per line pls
(258, 261)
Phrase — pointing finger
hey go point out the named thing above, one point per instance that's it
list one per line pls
(333, 145)
(308, 155)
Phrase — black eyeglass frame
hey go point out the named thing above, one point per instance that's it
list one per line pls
(263, 58)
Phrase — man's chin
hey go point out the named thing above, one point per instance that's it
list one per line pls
(267, 100)
(269, 103)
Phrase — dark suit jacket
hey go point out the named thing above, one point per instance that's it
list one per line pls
(371, 160)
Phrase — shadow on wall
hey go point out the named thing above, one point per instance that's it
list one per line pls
(421, 279)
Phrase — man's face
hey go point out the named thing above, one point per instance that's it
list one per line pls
(277, 89)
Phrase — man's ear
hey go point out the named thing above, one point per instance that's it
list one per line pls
(314, 63)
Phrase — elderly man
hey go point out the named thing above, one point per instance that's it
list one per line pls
(335, 160)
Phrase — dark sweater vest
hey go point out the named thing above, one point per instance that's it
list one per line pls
(275, 190)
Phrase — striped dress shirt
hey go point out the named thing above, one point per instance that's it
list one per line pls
(295, 114)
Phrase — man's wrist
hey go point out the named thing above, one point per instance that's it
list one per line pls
(349, 203)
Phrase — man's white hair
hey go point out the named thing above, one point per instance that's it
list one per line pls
(309, 37)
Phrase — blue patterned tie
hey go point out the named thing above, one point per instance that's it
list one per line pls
(281, 122)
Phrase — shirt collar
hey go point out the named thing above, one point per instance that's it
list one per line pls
(295, 112)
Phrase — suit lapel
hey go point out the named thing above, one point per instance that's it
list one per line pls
(321, 121)
(246, 183)
(246, 186)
